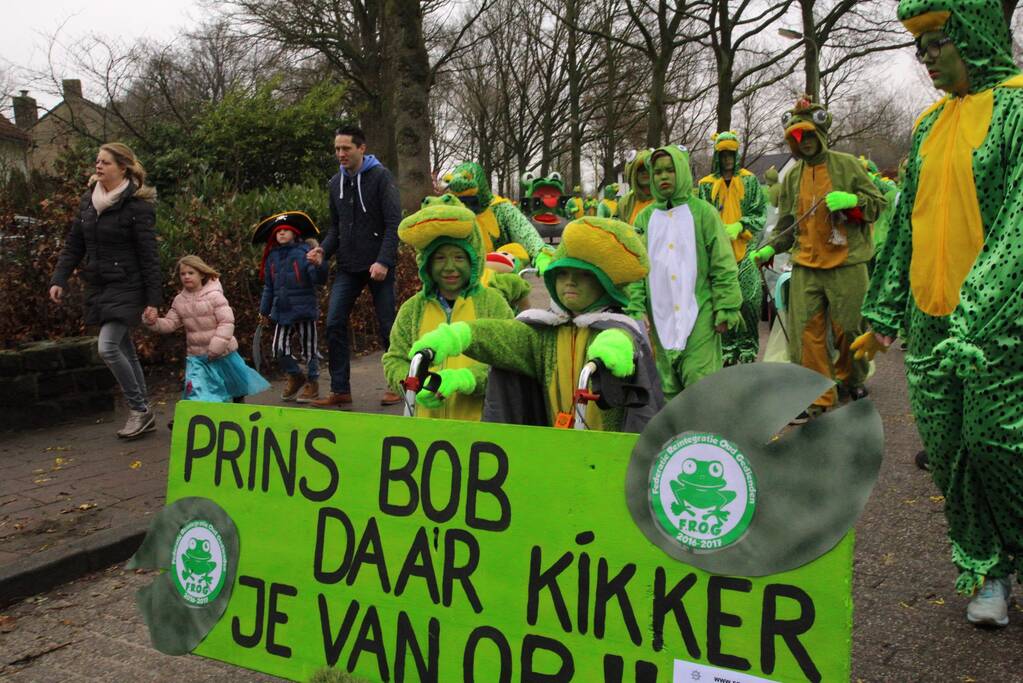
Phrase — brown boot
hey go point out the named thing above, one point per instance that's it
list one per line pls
(295, 383)
(333, 400)
(310, 392)
(390, 398)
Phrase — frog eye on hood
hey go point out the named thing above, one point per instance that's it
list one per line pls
(528, 177)
(716, 470)
(820, 116)
(631, 156)
(785, 118)
(193, 544)
(689, 466)
(556, 177)
(425, 202)
(206, 546)
(447, 199)
(467, 175)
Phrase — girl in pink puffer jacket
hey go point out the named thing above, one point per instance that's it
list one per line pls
(214, 370)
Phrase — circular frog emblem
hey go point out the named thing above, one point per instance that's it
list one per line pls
(702, 491)
(198, 563)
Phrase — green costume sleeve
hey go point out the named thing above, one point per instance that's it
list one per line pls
(754, 208)
(637, 291)
(704, 191)
(490, 305)
(871, 201)
(511, 286)
(517, 228)
(403, 332)
(722, 271)
(509, 345)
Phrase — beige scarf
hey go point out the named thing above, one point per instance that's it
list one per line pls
(102, 199)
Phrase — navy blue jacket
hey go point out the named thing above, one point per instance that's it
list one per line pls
(365, 210)
(289, 291)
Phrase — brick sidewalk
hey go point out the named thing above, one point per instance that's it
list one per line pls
(71, 480)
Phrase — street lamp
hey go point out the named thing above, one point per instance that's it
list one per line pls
(811, 67)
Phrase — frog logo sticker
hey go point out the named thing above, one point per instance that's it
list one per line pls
(199, 563)
(702, 491)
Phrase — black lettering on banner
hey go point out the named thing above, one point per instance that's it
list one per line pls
(614, 670)
(403, 474)
(328, 463)
(253, 450)
(614, 588)
(717, 619)
(491, 486)
(448, 511)
(530, 645)
(547, 579)
(453, 538)
(229, 455)
(370, 551)
(251, 640)
(427, 667)
(419, 562)
(335, 575)
(788, 629)
(582, 608)
(193, 451)
(332, 645)
(503, 651)
(370, 639)
(287, 468)
(275, 617)
(674, 602)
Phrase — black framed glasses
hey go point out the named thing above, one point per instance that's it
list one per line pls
(933, 49)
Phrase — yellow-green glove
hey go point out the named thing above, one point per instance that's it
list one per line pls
(733, 230)
(614, 349)
(866, 346)
(763, 254)
(542, 260)
(445, 341)
(456, 381)
(837, 200)
(430, 400)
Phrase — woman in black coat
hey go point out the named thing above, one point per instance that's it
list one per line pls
(114, 241)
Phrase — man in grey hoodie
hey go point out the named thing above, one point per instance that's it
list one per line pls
(365, 210)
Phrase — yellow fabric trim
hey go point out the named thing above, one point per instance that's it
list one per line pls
(814, 233)
(571, 356)
(459, 406)
(948, 230)
(604, 250)
(928, 21)
(800, 125)
(729, 196)
(516, 250)
(727, 146)
(490, 229)
(638, 207)
(422, 233)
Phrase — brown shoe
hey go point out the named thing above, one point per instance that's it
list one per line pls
(295, 383)
(310, 391)
(390, 398)
(333, 400)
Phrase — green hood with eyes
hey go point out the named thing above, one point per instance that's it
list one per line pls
(683, 189)
(443, 220)
(469, 180)
(978, 29)
(807, 118)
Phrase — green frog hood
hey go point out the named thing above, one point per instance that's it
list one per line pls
(978, 29)
(608, 248)
(633, 168)
(726, 141)
(807, 117)
(683, 177)
(443, 220)
(469, 180)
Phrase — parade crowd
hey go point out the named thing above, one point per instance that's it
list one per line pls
(652, 289)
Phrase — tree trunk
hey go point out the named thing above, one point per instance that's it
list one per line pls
(655, 117)
(412, 100)
(811, 66)
(574, 94)
(377, 122)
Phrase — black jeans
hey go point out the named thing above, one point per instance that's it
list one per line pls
(345, 290)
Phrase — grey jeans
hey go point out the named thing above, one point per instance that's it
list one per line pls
(118, 352)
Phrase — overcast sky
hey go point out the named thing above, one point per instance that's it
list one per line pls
(27, 32)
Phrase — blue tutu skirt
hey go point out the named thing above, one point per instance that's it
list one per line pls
(220, 380)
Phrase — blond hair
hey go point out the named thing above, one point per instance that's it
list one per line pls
(133, 169)
(200, 266)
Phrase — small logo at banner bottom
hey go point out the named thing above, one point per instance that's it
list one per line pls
(198, 563)
(702, 491)
(688, 672)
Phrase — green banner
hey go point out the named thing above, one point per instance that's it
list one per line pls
(427, 550)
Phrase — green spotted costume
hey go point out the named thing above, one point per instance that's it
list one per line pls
(739, 200)
(951, 270)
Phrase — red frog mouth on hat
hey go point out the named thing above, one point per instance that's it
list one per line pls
(549, 197)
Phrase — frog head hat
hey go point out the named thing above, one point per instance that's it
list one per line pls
(611, 191)
(637, 172)
(510, 258)
(469, 183)
(443, 220)
(543, 198)
(978, 30)
(609, 249)
(725, 142)
(803, 123)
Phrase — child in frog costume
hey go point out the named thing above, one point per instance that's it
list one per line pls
(638, 197)
(608, 206)
(450, 258)
(536, 359)
(691, 295)
(835, 202)
(499, 220)
(575, 207)
(951, 271)
(773, 186)
(890, 191)
(736, 194)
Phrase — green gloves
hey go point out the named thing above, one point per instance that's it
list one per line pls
(837, 201)
(866, 346)
(445, 341)
(614, 349)
(452, 381)
(731, 317)
(733, 230)
(763, 254)
(542, 260)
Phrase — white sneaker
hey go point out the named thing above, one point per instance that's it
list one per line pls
(139, 422)
(990, 607)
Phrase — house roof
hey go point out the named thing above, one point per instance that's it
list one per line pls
(8, 131)
(776, 159)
